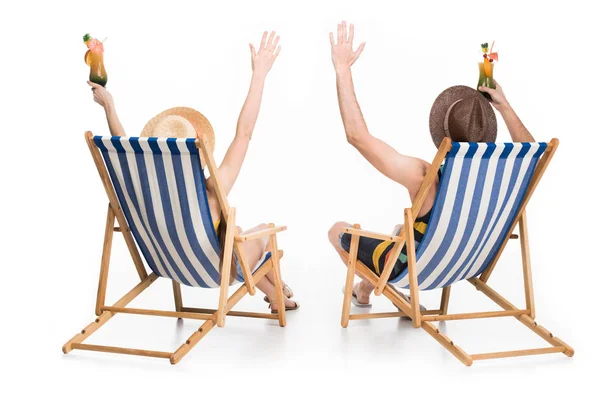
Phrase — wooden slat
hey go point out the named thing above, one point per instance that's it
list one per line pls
(261, 233)
(397, 314)
(121, 350)
(159, 313)
(246, 314)
(518, 353)
(374, 235)
(476, 315)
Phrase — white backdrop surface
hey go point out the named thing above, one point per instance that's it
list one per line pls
(299, 172)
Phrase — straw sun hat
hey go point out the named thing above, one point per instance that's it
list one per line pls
(462, 114)
(181, 122)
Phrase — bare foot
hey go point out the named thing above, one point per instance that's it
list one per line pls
(362, 296)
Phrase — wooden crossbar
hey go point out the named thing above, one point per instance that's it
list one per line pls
(158, 313)
(397, 314)
(518, 353)
(246, 314)
(121, 350)
(476, 315)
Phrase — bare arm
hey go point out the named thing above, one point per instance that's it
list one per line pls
(104, 98)
(407, 171)
(234, 157)
(518, 131)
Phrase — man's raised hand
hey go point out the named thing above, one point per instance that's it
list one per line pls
(342, 54)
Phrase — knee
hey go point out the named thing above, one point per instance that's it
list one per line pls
(335, 231)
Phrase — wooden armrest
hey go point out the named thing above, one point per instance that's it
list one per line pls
(374, 235)
(258, 234)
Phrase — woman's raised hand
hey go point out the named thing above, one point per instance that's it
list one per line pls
(263, 60)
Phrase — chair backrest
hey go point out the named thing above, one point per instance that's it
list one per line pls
(161, 189)
(480, 192)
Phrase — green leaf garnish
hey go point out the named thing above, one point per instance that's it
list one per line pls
(86, 37)
(484, 45)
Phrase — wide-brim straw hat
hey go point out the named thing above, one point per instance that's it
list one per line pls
(181, 122)
(462, 114)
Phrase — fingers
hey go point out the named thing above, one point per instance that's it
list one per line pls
(252, 51)
(93, 85)
(270, 42)
(360, 49)
(274, 45)
(344, 32)
(497, 84)
(351, 35)
(276, 53)
(331, 39)
(486, 89)
(263, 41)
(339, 36)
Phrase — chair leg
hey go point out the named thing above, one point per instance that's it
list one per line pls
(105, 262)
(350, 278)
(447, 343)
(412, 271)
(445, 300)
(526, 260)
(177, 296)
(191, 342)
(226, 268)
(278, 280)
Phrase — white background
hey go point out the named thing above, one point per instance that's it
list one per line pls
(299, 172)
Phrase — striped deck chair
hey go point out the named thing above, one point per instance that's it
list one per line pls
(483, 191)
(157, 193)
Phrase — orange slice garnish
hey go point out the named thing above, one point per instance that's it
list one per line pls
(487, 67)
(88, 57)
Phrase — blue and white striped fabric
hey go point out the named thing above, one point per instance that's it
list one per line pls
(480, 191)
(161, 189)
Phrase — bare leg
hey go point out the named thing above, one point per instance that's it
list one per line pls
(254, 250)
(364, 288)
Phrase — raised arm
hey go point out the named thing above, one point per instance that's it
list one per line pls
(517, 130)
(104, 98)
(407, 171)
(262, 61)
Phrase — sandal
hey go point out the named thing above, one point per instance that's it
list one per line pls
(355, 299)
(287, 292)
(295, 307)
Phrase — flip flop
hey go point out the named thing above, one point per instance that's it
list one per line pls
(295, 307)
(286, 287)
(355, 300)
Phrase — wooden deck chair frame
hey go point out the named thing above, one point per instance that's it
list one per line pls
(424, 319)
(212, 317)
